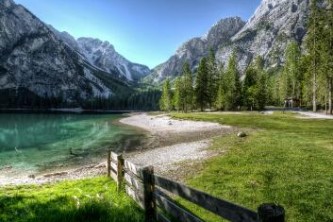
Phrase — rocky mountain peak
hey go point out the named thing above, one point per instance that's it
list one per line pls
(7, 3)
(193, 50)
(90, 44)
(223, 28)
(274, 24)
(103, 55)
(275, 13)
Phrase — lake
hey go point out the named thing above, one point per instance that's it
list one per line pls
(34, 143)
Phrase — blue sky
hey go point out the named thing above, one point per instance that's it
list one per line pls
(143, 31)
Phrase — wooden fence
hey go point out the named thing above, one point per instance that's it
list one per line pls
(151, 193)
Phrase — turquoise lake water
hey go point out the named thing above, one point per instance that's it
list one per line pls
(38, 142)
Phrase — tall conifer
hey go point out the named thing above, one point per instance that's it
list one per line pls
(313, 46)
(188, 87)
(201, 89)
(165, 101)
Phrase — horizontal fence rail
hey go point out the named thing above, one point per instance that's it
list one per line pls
(151, 193)
(165, 202)
(220, 207)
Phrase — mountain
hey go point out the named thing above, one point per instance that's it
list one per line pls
(103, 55)
(274, 24)
(41, 67)
(193, 50)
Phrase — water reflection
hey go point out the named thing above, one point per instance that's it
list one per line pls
(36, 141)
(25, 131)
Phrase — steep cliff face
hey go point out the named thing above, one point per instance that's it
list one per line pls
(196, 48)
(274, 24)
(268, 32)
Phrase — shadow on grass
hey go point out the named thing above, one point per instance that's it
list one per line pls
(64, 208)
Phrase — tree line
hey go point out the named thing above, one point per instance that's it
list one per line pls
(137, 99)
(216, 87)
(306, 76)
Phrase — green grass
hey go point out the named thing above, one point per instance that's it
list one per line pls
(284, 160)
(83, 200)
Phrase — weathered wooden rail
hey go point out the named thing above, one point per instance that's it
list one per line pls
(151, 192)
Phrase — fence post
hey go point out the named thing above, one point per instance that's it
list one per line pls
(120, 167)
(149, 187)
(271, 213)
(108, 163)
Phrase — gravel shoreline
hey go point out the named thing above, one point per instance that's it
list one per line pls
(175, 142)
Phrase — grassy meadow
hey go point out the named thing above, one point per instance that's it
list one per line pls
(283, 160)
(83, 200)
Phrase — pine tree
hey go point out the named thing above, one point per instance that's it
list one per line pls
(201, 89)
(220, 96)
(213, 77)
(292, 70)
(327, 54)
(291, 78)
(262, 83)
(250, 87)
(178, 98)
(262, 90)
(285, 87)
(188, 87)
(307, 83)
(255, 86)
(313, 46)
(330, 56)
(233, 88)
(165, 101)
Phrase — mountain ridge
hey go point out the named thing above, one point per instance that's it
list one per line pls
(196, 48)
(103, 55)
(267, 33)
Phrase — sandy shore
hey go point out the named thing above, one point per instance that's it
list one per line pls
(169, 144)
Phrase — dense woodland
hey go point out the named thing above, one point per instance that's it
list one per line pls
(137, 99)
(306, 76)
